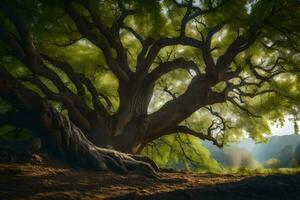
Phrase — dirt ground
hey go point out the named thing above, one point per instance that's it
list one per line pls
(31, 181)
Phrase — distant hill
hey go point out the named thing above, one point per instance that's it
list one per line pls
(259, 152)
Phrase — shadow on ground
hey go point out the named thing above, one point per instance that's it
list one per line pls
(264, 187)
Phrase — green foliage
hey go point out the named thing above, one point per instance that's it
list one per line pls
(272, 163)
(181, 151)
(297, 153)
(293, 163)
(286, 155)
(12, 133)
(263, 171)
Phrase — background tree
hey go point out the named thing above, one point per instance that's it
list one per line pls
(297, 154)
(272, 163)
(121, 74)
(286, 155)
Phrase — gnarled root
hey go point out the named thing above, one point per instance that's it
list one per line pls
(71, 144)
(122, 163)
(147, 160)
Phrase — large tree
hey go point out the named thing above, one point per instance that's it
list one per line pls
(82, 74)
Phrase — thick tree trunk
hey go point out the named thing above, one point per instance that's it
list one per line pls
(131, 120)
(130, 140)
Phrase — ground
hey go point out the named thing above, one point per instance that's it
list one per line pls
(46, 181)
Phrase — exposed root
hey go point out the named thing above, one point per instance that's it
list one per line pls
(147, 160)
(121, 162)
(69, 141)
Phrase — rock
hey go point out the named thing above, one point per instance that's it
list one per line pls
(35, 158)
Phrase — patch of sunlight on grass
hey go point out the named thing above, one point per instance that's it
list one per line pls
(261, 171)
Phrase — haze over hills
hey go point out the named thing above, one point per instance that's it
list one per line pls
(248, 153)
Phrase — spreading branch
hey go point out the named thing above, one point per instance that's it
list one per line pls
(168, 66)
(201, 135)
(83, 27)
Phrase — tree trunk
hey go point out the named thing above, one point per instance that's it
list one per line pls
(130, 140)
(131, 120)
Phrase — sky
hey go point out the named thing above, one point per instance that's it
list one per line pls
(286, 129)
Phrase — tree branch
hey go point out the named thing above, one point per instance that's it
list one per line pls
(168, 66)
(201, 135)
(164, 42)
(206, 51)
(16, 94)
(95, 95)
(110, 35)
(67, 68)
(175, 111)
(76, 115)
(30, 56)
(83, 27)
(238, 45)
(78, 80)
